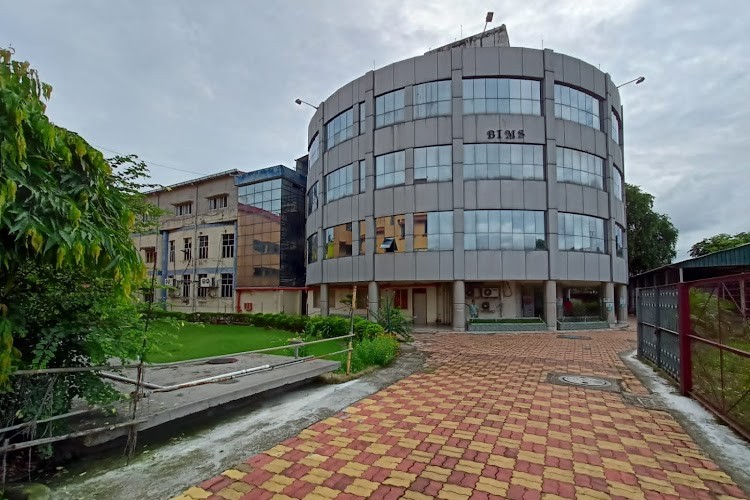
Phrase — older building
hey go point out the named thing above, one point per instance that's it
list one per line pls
(193, 250)
(231, 242)
(477, 177)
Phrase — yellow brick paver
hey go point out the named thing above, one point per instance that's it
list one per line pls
(481, 419)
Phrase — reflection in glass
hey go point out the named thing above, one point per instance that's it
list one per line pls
(572, 104)
(432, 99)
(434, 163)
(338, 241)
(390, 234)
(617, 183)
(580, 233)
(389, 169)
(389, 108)
(504, 230)
(339, 183)
(501, 96)
(339, 129)
(503, 161)
(581, 168)
(433, 231)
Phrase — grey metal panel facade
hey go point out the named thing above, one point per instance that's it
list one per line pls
(457, 195)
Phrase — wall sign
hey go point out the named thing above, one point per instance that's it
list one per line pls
(506, 135)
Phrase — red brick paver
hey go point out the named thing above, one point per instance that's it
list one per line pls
(481, 421)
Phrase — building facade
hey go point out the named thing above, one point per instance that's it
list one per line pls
(194, 247)
(230, 242)
(271, 245)
(476, 180)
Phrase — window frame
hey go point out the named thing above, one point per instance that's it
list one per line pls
(312, 248)
(187, 249)
(227, 285)
(423, 107)
(510, 158)
(398, 172)
(202, 246)
(442, 239)
(340, 128)
(390, 108)
(218, 202)
(567, 171)
(563, 237)
(498, 237)
(440, 169)
(346, 187)
(183, 208)
(564, 106)
(502, 95)
(227, 245)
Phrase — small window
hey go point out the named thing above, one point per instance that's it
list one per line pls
(150, 254)
(202, 290)
(184, 208)
(203, 246)
(389, 245)
(227, 246)
(187, 249)
(401, 299)
(227, 285)
(217, 202)
(171, 250)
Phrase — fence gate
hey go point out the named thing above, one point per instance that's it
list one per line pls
(658, 332)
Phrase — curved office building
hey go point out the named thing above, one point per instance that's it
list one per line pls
(477, 180)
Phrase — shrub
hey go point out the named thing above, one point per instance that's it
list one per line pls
(364, 329)
(378, 351)
(327, 327)
(392, 319)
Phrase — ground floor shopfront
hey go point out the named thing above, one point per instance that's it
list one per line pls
(455, 303)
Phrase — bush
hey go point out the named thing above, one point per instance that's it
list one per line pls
(364, 329)
(392, 319)
(378, 351)
(327, 327)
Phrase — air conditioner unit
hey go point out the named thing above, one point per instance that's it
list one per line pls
(490, 292)
(206, 282)
(169, 282)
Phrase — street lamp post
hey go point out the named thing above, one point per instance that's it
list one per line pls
(637, 81)
(301, 102)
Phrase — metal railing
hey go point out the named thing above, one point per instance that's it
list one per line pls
(699, 333)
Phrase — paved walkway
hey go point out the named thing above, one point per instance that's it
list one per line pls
(482, 421)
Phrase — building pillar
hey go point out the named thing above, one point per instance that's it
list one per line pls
(622, 305)
(324, 299)
(459, 306)
(609, 303)
(550, 304)
(373, 301)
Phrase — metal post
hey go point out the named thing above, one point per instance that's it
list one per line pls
(351, 332)
(657, 322)
(684, 327)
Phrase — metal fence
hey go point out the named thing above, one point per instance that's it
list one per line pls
(699, 334)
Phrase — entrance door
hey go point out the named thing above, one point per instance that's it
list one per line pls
(419, 298)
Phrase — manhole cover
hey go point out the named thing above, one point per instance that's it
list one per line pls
(221, 361)
(585, 381)
(573, 337)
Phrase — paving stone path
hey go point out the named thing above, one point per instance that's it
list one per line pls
(482, 421)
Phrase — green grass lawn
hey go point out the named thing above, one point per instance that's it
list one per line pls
(199, 341)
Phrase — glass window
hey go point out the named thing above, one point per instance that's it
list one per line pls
(203, 246)
(432, 99)
(362, 236)
(390, 234)
(186, 282)
(362, 176)
(503, 161)
(504, 230)
(389, 108)
(150, 255)
(339, 183)
(362, 123)
(617, 183)
(340, 128)
(184, 208)
(619, 240)
(338, 241)
(187, 249)
(227, 246)
(312, 248)
(227, 285)
(389, 169)
(580, 233)
(434, 163)
(577, 106)
(217, 202)
(171, 250)
(312, 199)
(433, 231)
(314, 152)
(581, 168)
(501, 96)
(616, 126)
(264, 195)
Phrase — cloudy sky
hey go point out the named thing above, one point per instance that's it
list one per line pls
(196, 87)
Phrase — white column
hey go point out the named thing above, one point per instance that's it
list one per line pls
(609, 303)
(324, 299)
(550, 304)
(459, 306)
(373, 301)
(622, 305)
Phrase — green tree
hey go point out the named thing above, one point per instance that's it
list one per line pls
(652, 238)
(64, 210)
(719, 242)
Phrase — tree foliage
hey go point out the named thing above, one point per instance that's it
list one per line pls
(652, 238)
(721, 241)
(63, 211)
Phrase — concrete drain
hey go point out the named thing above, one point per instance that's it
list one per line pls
(643, 401)
(589, 382)
(573, 337)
